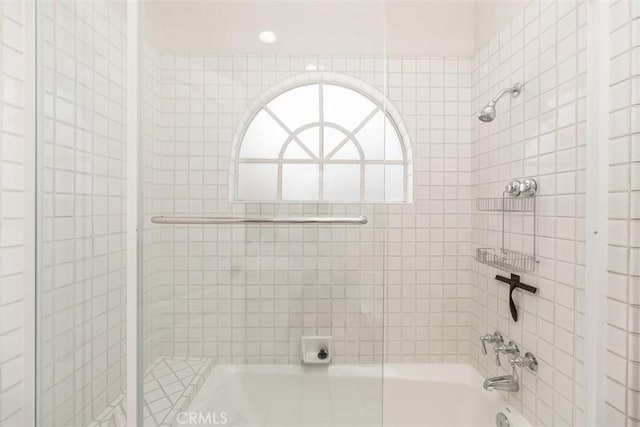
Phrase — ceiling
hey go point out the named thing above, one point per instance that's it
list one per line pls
(322, 27)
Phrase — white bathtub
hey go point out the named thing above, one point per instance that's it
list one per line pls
(434, 395)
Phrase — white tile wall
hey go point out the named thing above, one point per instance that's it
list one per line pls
(427, 263)
(12, 117)
(82, 60)
(623, 287)
(152, 103)
(541, 134)
(246, 295)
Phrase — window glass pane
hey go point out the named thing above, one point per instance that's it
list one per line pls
(294, 151)
(392, 145)
(345, 107)
(347, 152)
(263, 139)
(257, 182)
(345, 110)
(374, 183)
(311, 139)
(299, 182)
(332, 138)
(394, 183)
(371, 137)
(341, 183)
(297, 107)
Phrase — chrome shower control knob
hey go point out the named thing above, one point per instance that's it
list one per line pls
(528, 361)
(510, 348)
(496, 350)
(528, 187)
(513, 188)
(495, 338)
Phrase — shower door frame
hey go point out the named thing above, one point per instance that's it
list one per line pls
(134, 217)
(31, 226)
(596, 218)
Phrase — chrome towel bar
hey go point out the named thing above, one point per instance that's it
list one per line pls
(227, 220)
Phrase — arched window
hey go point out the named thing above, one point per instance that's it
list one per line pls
(321, 140)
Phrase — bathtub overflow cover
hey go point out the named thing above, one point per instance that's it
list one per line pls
(502, 420)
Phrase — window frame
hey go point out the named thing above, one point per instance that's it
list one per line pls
(381, 103)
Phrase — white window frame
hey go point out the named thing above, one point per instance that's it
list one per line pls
(382, 104)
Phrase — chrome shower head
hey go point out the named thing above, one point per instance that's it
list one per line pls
(488, 113)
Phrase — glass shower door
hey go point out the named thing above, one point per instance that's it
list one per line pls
(81, 146)
(262, 110)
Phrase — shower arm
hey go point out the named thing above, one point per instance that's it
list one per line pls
(514, 90)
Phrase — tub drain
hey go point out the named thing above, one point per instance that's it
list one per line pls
(502, 420)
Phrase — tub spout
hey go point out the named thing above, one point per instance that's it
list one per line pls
(503, 382)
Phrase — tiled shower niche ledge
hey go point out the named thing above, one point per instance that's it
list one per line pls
(170, 383)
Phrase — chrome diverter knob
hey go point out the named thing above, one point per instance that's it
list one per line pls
(495, 338)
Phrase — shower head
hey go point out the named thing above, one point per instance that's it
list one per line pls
(488, 113)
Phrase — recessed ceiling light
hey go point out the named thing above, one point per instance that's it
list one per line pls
(268, 37)
(314, 67)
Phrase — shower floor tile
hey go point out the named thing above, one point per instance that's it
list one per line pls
(170, 384)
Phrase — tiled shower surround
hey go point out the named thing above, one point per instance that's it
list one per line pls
(247, 294)
(541, 134)
(11, 213)
(623, 287)
(82, 328)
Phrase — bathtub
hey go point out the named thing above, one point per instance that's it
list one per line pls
(434, 395)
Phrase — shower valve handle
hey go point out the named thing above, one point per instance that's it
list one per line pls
(528, 361)
(495, 338)
(510, 348)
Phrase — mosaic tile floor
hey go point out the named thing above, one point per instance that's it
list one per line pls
(170, 384)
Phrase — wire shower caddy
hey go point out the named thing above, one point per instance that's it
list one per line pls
(519, 196)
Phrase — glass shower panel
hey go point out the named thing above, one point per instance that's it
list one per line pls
(229, 309)
(81, 68)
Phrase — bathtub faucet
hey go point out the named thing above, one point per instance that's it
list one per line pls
(511, 382)
(503, 383)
